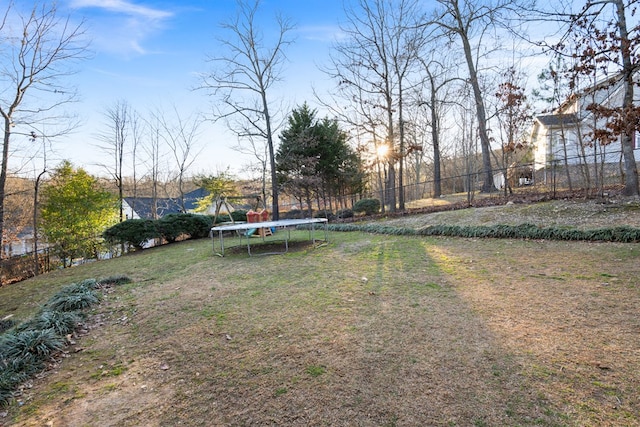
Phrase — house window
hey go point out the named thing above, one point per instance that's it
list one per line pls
(636, 140)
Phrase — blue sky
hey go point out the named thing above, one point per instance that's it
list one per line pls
(149, 53)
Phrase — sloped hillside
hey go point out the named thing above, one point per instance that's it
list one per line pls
(574, 213)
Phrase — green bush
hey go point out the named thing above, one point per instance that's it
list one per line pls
(325, 213)
(6, 324)
(344, 213)
(9, 381)
(61, 322)
(239, 215)
(89, 284)
(522, 231)
(222, 218)
(135, 232)
(73, 297)
(26, 351)
(201, 226)
(171, 227)
(193, 226)
(368, 206)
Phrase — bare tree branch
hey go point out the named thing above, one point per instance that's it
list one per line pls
(243, 77)
(35, 61)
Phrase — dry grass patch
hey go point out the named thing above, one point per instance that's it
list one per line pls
(581, 214)
(571, 321)
(368, 330)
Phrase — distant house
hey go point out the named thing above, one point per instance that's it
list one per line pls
(22, 244)
(145, 207)
(564, 137)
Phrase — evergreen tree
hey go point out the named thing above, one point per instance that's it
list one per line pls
(314, 159)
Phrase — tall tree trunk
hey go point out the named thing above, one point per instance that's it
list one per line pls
(3, 177)
(381, 180)
(487, 185)
(630, 167)
(402, 148)
(275, 211)
(36, 188)
(391, 183)
(435, 139)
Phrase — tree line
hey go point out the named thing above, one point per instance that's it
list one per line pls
(415, 83)
(419, 84)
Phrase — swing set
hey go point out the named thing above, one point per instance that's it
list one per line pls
(253, 215)
(222, 200)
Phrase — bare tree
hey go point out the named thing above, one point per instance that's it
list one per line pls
(434, 104)
(467, 146)
(374, 64)
(120, 142)
(153, 150)
(407, 39)
(514, 118)
(115, 141)
(362, 67)
(36, 201)
(181, 137)
(367, 124)
(137, 138)
(436, 96)
(34, 60)
(244, 76)
(260, 151)
(469, 21)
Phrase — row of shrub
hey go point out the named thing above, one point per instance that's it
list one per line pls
(137, 232)
(25, 348)
(622, 234)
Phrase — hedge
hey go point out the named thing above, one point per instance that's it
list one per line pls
(136, 232)
(621, 234)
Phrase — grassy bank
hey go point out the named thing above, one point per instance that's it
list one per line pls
(367, 330)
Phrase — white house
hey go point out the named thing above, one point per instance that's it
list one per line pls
(565, 137)
(22, 244)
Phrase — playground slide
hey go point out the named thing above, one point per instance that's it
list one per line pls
(250, 232)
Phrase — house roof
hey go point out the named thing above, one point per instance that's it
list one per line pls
(191, 198)
(550, 120)
(143, 206)
(165, 206)
(601, 92)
